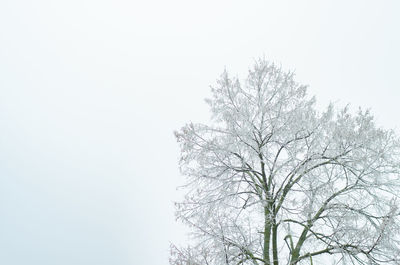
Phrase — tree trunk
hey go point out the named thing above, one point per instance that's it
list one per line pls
(267, 236)
(275, 243)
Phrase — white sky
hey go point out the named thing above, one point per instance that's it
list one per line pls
(91, 92)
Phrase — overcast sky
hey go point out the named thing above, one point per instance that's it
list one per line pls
(91, 92)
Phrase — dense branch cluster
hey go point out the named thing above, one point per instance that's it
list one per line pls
(273, 181)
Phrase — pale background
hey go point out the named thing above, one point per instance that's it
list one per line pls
(91, 91)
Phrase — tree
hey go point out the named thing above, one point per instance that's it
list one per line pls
(273, 181)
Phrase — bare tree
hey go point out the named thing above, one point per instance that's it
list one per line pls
(273, 181)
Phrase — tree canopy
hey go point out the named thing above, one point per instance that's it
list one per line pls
(271, 180)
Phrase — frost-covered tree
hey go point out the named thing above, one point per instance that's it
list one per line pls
(273, 181)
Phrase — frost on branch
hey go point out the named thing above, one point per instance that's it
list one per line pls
(271, 180)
